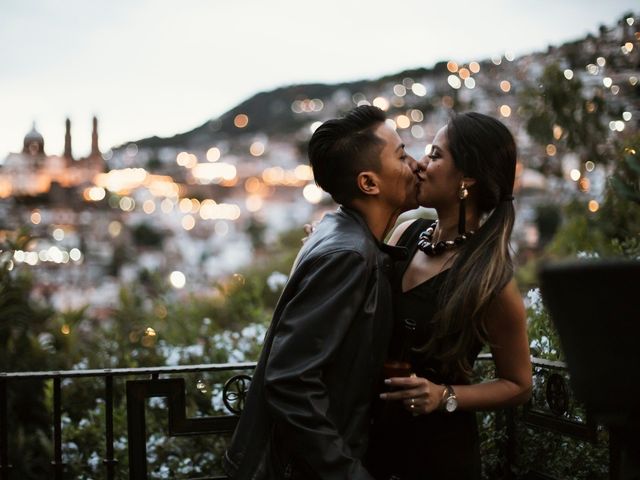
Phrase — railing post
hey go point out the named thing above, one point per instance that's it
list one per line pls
(136, 428)
(58, 466)
(109, 461)
(4, 432)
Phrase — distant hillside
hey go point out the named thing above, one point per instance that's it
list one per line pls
(270, 113)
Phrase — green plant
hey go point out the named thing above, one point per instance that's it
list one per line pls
(544, 340)
(614, 229)
(25, 345)
(558, 113)
(152, 325)
(625, 181)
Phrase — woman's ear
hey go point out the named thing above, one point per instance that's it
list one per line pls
(368, 183)
(469, 181)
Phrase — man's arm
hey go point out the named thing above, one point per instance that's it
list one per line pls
(311, 328)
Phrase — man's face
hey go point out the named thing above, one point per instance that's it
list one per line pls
(398, 181)
(440, 177)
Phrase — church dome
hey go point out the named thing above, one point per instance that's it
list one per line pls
(33, 142)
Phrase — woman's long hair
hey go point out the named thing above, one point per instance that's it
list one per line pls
(483, 149)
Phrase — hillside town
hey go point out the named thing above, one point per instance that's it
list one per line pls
(200, 206)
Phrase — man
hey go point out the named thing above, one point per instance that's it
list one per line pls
(307, 411)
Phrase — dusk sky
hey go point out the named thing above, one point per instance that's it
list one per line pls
(159, 67)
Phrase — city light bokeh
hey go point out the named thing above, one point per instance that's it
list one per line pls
(196, 207)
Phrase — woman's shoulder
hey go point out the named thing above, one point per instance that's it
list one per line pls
(399, 230)
(507, 307)
(408, 229)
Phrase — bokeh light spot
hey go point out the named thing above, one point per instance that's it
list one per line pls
(177, 279)
(241, 120)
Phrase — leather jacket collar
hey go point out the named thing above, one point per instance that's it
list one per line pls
(395, 252)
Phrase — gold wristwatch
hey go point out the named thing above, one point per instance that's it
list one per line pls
(449, 402)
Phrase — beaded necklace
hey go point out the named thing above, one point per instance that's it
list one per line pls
(425, 241)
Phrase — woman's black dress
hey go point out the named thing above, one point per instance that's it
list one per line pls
(439, 445)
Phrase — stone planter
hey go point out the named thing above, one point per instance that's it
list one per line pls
(595, 306)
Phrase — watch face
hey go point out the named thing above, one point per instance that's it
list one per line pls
(451, 404)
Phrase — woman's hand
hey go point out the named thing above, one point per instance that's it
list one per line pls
(418, 395)
(308, 229)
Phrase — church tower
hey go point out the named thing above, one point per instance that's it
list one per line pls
(95, 158)
(68, 155)
(95, 150)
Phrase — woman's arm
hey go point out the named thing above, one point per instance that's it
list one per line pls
(507, 332)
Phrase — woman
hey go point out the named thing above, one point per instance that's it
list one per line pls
(457, 286)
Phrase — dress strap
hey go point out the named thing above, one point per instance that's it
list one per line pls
(409, 240)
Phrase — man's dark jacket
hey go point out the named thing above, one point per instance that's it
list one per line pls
(307, 413)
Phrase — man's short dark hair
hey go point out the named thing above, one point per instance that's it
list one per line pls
(341, 148)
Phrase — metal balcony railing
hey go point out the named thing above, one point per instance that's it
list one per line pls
(137, 391)
(551, 408)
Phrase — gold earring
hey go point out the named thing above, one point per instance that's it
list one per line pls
(463, 193)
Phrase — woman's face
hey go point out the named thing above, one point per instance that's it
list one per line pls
(440, 177)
